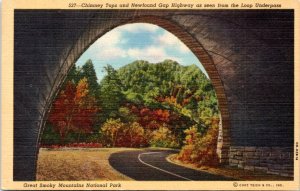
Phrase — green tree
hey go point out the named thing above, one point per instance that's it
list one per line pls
(73, 76)
(88, 71)
(126, 115)
(111, 93)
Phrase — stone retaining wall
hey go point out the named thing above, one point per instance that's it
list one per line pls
(272, 160)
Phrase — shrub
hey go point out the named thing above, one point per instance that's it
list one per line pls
(117, 133)
(200, 149)
(136, 134)
(112, 130)
(163, 137)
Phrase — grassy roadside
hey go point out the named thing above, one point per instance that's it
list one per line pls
(229, 171)
(77, 164)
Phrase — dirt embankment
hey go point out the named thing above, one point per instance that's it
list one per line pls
(77, 164)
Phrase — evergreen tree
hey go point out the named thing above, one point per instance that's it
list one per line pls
(111, 95)
(73, 75)
(88, 71)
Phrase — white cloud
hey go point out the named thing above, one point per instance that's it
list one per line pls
(169, 40)
(107, 47)
(111, 38)
(115, 49)
(139, 27)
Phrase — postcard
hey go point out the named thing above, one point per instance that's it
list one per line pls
(150, 95)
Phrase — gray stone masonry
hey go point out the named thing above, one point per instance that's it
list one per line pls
(272, 160)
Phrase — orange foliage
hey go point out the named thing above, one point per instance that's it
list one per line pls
(124, 134)
(199, 149)
(185, 101)
(63, 109)
(172, 101)
(151, 118)
(163, 137)
(73, 110)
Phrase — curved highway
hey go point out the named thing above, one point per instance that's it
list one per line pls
(151, 164)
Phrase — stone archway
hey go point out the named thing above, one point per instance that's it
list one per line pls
(47, 44)
(89, 37)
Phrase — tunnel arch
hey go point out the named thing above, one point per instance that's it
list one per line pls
(195, 46)
(257, 85)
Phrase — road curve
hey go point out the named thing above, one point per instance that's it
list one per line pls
(151, 164)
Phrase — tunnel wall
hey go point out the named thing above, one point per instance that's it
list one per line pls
(248, 54)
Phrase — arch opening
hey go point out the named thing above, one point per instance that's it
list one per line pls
(90, 37)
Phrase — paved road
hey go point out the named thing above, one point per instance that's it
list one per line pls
(152, 165)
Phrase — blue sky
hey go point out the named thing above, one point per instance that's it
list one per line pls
(139, 41)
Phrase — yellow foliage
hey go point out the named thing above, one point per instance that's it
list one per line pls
(163, 137)
(199, 149)
(82, 89)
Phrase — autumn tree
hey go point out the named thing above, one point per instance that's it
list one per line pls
(136, 135)
(163, 137)
(201, 148)
(63, 110)
(73, 110)
(165, 97)
(112, 129)
(117, 133)
(85, 115)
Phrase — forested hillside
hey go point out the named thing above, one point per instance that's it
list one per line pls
(141, 104)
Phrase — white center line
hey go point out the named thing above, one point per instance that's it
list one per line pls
(139, 157)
